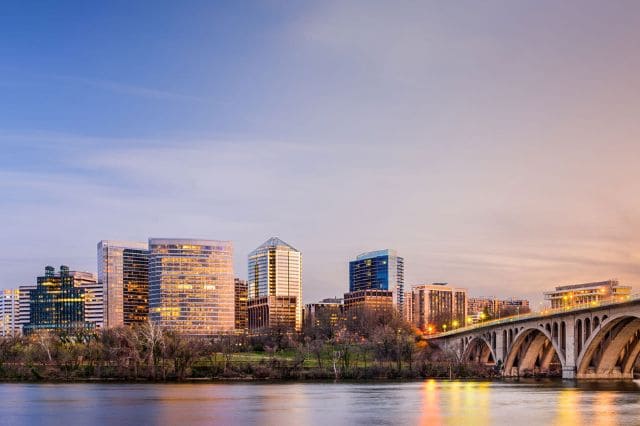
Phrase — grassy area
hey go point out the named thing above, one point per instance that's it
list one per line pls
(310, 361)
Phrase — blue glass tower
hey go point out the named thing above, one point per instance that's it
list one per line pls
(379, 270)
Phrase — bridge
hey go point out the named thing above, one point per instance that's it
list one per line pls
(600, 340)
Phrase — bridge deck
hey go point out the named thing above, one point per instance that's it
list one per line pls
(543, 314)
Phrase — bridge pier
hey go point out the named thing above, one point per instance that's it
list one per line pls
(569, 367)
(569, 372)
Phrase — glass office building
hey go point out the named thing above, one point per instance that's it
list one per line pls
(275, 286)
(379, 270)
(123, 271)
(56, 303)
(191, 285)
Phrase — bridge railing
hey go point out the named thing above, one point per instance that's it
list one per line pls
(540, 314)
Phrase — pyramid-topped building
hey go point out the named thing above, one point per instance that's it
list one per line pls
(275, 286)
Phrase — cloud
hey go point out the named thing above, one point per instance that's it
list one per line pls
(131, 90)
(492, 154)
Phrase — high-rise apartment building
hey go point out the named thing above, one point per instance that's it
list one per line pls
(191, 285)
(275, 286)
(123, 272)
(437, 307)
(241, 314)
(56, 303)
(9, 313)
(379, 270)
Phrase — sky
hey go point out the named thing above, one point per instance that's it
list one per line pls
(494, 144)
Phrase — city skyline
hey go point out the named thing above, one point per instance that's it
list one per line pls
(493, 145)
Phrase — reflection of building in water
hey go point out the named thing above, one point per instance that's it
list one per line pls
(431, 408)
(569, 412)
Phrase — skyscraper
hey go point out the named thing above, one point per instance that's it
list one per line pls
(9, 313)
(379, 270)
(241, 320)
(191, 285)
(123, 272)
(56, 303)
(275, 286)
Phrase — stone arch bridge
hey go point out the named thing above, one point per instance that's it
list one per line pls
(588, 342)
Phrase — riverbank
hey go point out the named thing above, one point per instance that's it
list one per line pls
(246, 372)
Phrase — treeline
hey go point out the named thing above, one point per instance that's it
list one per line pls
(366, 345)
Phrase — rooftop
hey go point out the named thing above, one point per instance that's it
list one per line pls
(275, 242)
(376, 253)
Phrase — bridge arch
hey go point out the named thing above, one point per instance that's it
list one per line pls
(533, 349)
(611, 350)
(479, 350)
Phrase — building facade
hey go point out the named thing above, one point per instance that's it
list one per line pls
(376, 301)
(275, 286)
(24, 305)
(191, 285)
(482, 308)
(478, 305)
(587, 293)
(93, 297)
(123, 272)
(9, 313)
(379, 270)
(326, 312)
(241, 313)
(437, 307)
(56, 304)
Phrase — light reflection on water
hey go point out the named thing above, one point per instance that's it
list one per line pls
(328, 404)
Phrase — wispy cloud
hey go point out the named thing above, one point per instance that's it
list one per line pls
(131, 90)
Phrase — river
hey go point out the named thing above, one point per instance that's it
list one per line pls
(326, 404)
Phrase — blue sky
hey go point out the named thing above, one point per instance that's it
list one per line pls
(494, 144)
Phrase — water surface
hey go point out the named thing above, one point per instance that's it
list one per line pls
(327, 404)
